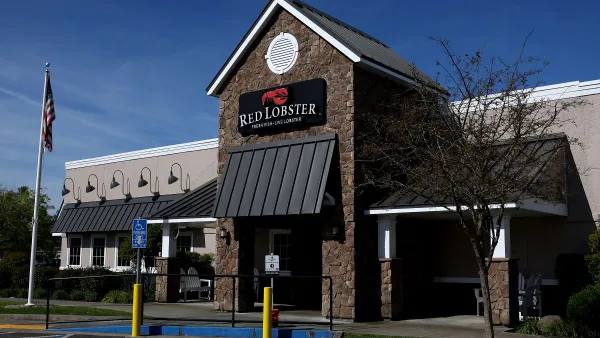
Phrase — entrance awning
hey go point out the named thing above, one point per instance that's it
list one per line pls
(278, 178)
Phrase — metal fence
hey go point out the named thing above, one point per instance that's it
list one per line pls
(149, 281)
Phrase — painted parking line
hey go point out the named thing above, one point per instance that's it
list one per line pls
(23, 326)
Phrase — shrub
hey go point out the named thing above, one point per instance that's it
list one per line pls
(6, 293)
(201, 262)
(90, 296)
(118, 297)
(60, 294)
(43, 274)
(593, 258)
(22, 293)
(531, 326)
(77, 295)
(583, 308)
(39, 293)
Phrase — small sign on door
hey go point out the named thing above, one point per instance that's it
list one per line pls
(272, 264)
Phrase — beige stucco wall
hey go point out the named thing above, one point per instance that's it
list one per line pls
(201, 165)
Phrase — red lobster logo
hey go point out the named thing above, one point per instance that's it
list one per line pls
(277, 96)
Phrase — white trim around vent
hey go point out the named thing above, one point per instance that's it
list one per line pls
(282, 53)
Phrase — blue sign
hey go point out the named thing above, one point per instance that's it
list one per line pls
(139, 233)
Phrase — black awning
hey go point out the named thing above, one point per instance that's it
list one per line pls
(194, 204)
(113, 215)
(278, 178)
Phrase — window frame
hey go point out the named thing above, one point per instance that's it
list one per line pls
(69, 237)
(185, 233)
(92, 250)
(117, 266)
(273, 232)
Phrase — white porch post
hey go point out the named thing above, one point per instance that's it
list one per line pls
(386, 237)
(169, 245)
(503, 247)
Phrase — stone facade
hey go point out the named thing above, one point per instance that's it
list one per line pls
(167, 287)
(503, 280)
(316, 58)
(392, 304)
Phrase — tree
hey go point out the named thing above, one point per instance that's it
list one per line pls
(153, 246)
(16, 215)
(472, 147)
(593, 258)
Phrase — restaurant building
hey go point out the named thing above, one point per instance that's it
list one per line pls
(286, 176)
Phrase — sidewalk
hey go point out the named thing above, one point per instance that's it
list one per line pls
(202, 313)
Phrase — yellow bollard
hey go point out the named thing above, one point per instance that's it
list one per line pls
(137, 310)
(267, 306)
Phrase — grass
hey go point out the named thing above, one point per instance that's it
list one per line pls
(62, 310)
(358, 335)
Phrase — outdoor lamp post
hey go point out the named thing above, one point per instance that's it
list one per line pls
(142, 182)
(115, 184)
(65, 191)
(172, 178)
(89, 188)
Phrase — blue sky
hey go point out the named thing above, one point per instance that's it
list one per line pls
(130, 75)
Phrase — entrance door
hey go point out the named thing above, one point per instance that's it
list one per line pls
(280, 243)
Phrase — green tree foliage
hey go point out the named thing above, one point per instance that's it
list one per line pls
(16, 215)
(153, 246)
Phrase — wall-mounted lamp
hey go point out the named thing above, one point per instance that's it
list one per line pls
(172, 178)
(224, 234)
(142, 182)
(65, 191)
(335, 230)
(115, 184)
(90, 188)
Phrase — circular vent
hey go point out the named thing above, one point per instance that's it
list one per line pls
(282, 53)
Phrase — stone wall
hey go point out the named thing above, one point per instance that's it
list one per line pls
(392, 303)
(503, 279)
(167, 287)
(316, 58)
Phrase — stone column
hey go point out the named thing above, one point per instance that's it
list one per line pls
(391, 289)
(503, 279)
(167, 287)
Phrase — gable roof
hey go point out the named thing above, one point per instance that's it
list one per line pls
(353, 43)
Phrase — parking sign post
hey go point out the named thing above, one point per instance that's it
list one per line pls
(139, 234)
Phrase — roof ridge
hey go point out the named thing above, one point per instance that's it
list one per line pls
(338, 21)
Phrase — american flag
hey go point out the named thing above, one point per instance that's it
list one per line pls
(48, 115)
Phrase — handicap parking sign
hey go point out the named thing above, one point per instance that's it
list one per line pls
(139, 233)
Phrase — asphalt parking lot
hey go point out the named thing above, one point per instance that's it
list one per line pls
(30, 334)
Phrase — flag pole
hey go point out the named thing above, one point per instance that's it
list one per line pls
(37, 196)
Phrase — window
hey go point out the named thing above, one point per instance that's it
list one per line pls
(98, 248)
(184, 243)
(75, 251)
(122, 261)
(281, 246)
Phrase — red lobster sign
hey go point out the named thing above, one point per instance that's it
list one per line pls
(278, 96)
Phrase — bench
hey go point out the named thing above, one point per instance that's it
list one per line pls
(192, 282)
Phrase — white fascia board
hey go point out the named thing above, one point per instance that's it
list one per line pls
(247, 42)
(58, 234)
(145, 153)
(182, 220)
(410, 210)
(262, 22)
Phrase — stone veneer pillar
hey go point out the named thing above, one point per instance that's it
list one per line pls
(503, 280)
(391, 288)
(167, 287)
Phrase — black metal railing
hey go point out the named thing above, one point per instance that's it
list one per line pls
(149, 280)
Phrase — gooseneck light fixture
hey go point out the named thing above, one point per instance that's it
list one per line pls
(114, 184)
(65, 191)
(142, 182)
(172, 178)
(89, 188)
